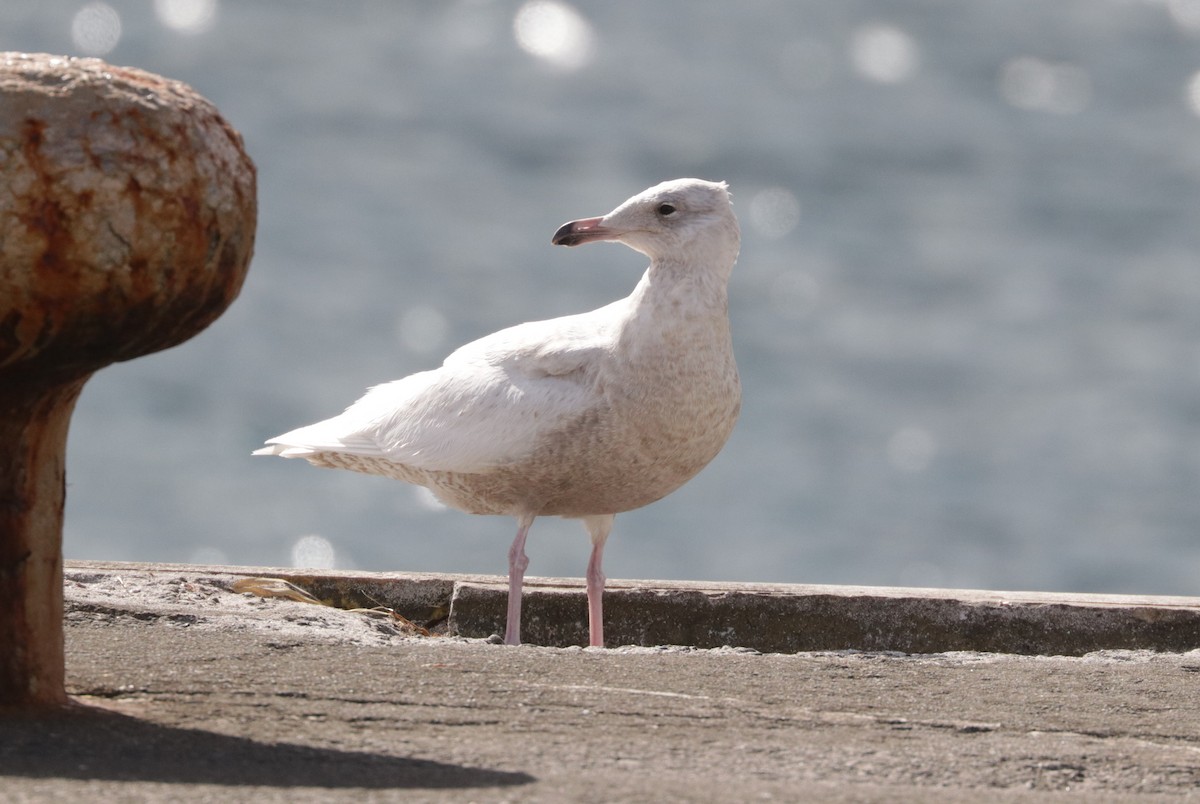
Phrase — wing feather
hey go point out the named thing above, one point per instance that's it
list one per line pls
(491, 402)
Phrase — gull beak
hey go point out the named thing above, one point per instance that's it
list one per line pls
(586, 230)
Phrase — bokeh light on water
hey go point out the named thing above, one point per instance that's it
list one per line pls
(884, 53)
(187, 16)
(96, 29)
(554, 32)
(313, 552)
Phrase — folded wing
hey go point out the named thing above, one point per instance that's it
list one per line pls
(491, 403)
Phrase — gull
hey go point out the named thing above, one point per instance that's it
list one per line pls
(584, 416)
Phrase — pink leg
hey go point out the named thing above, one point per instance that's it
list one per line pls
(598, 528)
(517, 562)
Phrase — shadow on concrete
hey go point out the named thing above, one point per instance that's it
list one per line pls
(90, 743)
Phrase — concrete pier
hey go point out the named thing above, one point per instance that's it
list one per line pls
(186, 690)
(770, 618)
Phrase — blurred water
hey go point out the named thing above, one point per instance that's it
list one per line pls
(966, 310)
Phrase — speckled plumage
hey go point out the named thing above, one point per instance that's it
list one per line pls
(582, 416)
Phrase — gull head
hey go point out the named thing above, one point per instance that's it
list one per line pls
(677, 220)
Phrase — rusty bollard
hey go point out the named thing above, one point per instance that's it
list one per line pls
(127, 215)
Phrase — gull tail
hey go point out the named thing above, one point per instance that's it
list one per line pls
(328, 436)
(284, 450)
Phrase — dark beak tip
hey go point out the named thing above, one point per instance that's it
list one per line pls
(565, 236)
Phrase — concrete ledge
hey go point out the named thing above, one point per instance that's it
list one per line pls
(771, 618)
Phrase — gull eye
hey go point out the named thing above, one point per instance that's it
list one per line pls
(666, 209)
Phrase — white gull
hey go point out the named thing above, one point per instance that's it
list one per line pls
(583, 416)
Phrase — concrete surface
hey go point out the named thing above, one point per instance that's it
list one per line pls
(188, 691)
(771, 618)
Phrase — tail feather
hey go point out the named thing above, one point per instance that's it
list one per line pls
(330, 435)
(285, 451)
